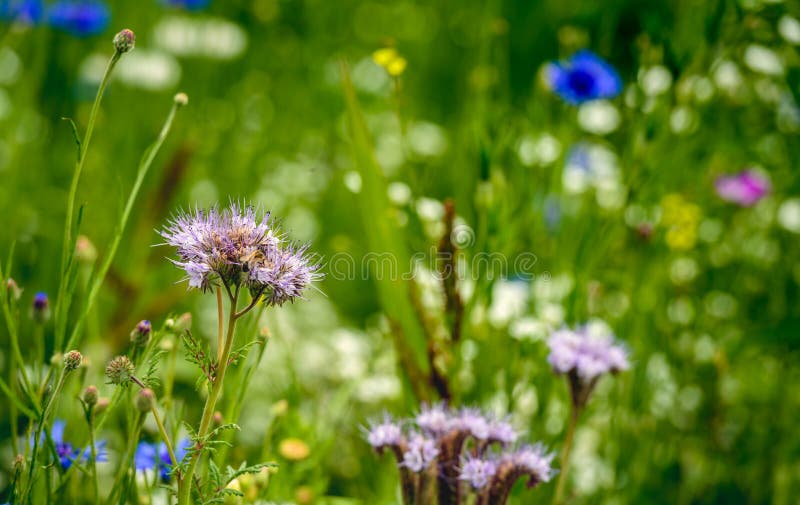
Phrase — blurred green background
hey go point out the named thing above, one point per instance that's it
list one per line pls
(708, 412)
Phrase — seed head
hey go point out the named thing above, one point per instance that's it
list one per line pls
(120, 370)
(90, 396)
(72, 360)
(145, 400)
(141, 334)
(124, 41)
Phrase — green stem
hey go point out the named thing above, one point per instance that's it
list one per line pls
(93, 462)
(124, 465)
(144, 167)
(565, 453)
(164, 435)
(38, 434)
(66, 253)
(185, 484)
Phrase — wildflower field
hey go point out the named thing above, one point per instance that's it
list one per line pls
(403, 252)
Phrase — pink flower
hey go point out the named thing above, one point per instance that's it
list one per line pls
(745, 188)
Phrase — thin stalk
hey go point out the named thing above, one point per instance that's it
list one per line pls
(221, 323)
(185, 484)
(128, 455)
(38, 433)
(93, 462)
(144, 167)
(164, 435)
(73, 190)
(565, 453)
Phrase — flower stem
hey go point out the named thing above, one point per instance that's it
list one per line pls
(61, 311)
(93, 461)
(185, 483)
(221, 323)
(565, 453)
(164, 435)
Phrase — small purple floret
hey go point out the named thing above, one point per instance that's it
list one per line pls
(745, 188)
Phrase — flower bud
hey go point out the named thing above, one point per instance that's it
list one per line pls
(232, 499)
(262, 477)
(145, 400)
(14, 291)
(218, 418)
(56, 359)
(120, 370)
(19, 463)
(124, 41)
(85, 251)
(41, 307)
(183, 323)
(72, 360)
(102, 405)
(90, 396)
(141, 334)
(304, 495)
(181, 99)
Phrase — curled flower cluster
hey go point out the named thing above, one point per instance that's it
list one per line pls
(584, 355)
(240, 249)
(446, 453)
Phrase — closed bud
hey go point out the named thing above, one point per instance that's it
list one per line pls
(90, 396)
(182, 323)
(145, 400)
(233, 499)
(14, 291)
(124, 41)
(56, 359)
(181, 99)
(262, 477)
(72, 360)
(102, 405)
(40, 310)
(140, 335)
(85, 251)
(120, 370)
(218, 418)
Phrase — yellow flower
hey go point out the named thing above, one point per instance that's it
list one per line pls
(681, 219)
(390, 60)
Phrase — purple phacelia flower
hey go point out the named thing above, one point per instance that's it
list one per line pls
(435, 419)
(387, 433)
(421, 452)
(240, 247)
(502, 432)
(745, 188)
(588, 352)
(477, 472)
(474, 423)
(582, 78)
(534, 461)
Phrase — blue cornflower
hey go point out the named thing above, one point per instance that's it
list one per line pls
(582, 78)
(151, 456)
(67, 453)
(29, 12)
(82, 18)
(191, 5)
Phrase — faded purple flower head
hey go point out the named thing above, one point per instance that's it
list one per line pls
(589, 351)
(502, 432)
(478, 472)
(240, 246)
(533, 461)
(387, 433)
(745, 188)
(582, 78)
(434, 419)
(474, 422)
(422, 451)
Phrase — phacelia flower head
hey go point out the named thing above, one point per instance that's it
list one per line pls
(502, 432)
(156, 457)
(533, 461)
(67, 453)
(27, 12)
(435, 420)
(588, 351)
(386, 433)
(744, 189)
(241, 247)
(81, 18)
(477, 472)
(582, 78)
(421, 452)
(473, 422)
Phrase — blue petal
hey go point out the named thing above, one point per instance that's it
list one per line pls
(145, 456)
(80, 18)
(57, 433)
